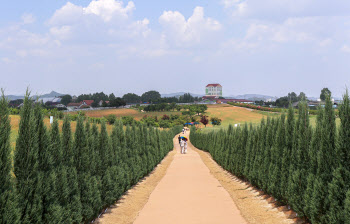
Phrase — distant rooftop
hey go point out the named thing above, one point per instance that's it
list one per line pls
(214, 85)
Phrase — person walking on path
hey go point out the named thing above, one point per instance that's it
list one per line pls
(182, 145)
(185, 147)
(179, 139)
(183, 131)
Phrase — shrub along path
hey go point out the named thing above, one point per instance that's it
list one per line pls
(194, 189)
(188, 193)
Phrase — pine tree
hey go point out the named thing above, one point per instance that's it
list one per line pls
(336, 194)
(340, 184)
(62, 196)
(276, 155)
(8, 198)
(258, 153)
(298, 182)
(26, 166)
(48, 163)
(287, 151)
(89, 185)
(346, 212)
(312, 169)
(106, 155)
(67, 149)
(73, 201)
(249, 151)
(325, 164)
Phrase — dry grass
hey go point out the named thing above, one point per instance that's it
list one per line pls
(15, 119)
(116, 112)
(127, 112)
(234, 115)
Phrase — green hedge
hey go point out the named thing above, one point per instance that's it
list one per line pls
(308, 169)
(61, 178)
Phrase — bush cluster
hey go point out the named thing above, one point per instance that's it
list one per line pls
(58, 178)
(306, 168)
(255, 107)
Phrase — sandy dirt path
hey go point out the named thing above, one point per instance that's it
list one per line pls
(187, 194)
(193, 188)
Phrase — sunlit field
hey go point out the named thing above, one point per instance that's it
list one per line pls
(234, 115)
(126, 112)
(15, 126)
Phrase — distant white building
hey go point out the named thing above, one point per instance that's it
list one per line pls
(213, 90)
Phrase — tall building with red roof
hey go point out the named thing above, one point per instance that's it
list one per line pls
(213, 90)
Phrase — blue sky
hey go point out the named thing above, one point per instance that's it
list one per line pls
(249, 46)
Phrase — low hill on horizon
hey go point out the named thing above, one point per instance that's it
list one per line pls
(48, 95)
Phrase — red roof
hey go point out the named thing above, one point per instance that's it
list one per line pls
(210, 97)
(214, 85)
(88, 102)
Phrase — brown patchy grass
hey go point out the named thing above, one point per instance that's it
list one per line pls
(234, 115)
(15, 119)
(116, 112)
(137, 115)
(231, 114)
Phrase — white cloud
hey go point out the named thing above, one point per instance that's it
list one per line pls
(106, 9)
(297, 30)
(22, 53)
(62, 33)
(68, 14)
(6, 60)
(282, 9)
(345, 48)
(28, 19)
(192, 30)
(100, 21)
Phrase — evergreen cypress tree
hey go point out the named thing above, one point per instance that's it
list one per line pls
(249, 151)
(105, 169)
(343, 146)
(26, 166)
(62, 196)
(325, 164)
(95, 158)
(73, 201)
(340, 184)
(337, 190)
(8, 198)
(276, 161)
(346, 212)
(298, 182)
(312, 169)
(88, 185)
(287, 151)
(48, 164)
(266, 153)
(258, 153)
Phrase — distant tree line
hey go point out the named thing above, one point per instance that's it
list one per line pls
(96, 97)
(154, 97)
(300, 166)
(290, 98)
(63, 177)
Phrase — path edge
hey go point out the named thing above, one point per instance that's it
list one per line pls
(128, 207)
(231, 184)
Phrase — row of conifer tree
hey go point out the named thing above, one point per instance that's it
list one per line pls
(304, 167)
(53, 177)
